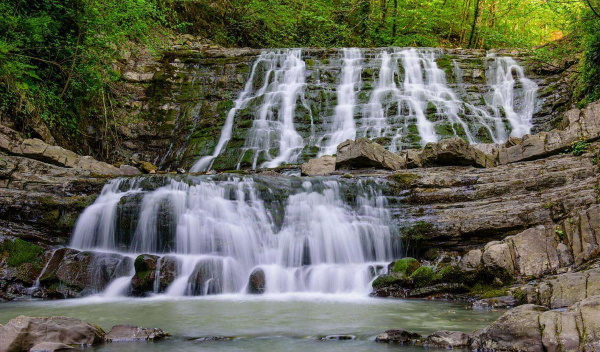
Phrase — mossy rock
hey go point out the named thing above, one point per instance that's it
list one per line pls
(384, 280)
(406, 266)
(450, 274)
(18, 252)
(403, 180)
(423, 276)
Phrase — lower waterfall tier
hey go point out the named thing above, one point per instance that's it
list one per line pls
(221, 234)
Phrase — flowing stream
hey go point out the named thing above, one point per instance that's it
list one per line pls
(399, 96)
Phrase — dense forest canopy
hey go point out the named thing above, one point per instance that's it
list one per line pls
(57, 57)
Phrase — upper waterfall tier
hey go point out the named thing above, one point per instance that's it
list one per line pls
(294, 107)
(315, 235)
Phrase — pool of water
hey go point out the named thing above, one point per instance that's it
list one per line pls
(291, 322)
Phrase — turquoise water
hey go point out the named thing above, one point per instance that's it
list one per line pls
(291, 322)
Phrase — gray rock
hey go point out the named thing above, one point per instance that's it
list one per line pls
(121, 333)
(23, 333)
(471, 260)
(324, 165)
(447, 339)
(364, 153)
(457, 152)
(495, 302)
(129, 170)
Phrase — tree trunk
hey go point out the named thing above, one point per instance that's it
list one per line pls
(474, 23)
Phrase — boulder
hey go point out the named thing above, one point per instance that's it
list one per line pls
(364, 153)
(324, 165)
(516, 330)
(129, 170)
(398, 336)
(257, 282)
(23, 333)
(148, 167)
(534, 328)
(455, 152)
(471, 260)
(497, 255)
(495, 302)
(447, 339)
(121, 333)
(143, 280)
(535, 252)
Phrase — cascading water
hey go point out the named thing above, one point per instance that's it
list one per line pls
(320, 235)
(343, 126)
(504, 74)
(400, 97)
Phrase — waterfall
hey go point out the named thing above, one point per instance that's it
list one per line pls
(343, 126)
(320, 235)
(504, 74)
(400, 97)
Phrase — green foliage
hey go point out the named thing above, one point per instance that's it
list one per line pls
(406, 266)
(57, 57)
(579, 147)
(19, 252)
(423, 276)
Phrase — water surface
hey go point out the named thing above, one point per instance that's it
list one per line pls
(287, 322)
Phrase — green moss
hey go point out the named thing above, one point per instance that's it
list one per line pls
(451, 274)
(520, 296)
(423, 276)
(19, 252)
(404, 181)
(406, 266)
(384, 280)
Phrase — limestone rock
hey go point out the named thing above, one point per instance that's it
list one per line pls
(129, 170)
(364, 153)
(535, 251)
(455, 151)
(471, 260)
(121, 333)
(497, 255)
(324, 165)
(23, 333)
(516, 330)
(495, 302)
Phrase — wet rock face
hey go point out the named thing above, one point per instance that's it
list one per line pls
(183, 98)
(153, 274)
(257, 282)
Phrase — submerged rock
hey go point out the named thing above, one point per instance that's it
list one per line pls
(120, 333)
(364, 153)
(338, 337)
(398, 336)
(23, 333)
